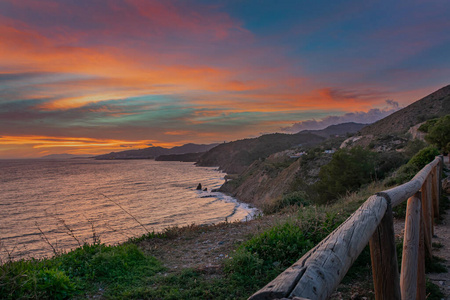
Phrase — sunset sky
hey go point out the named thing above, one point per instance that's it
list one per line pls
(91, 77)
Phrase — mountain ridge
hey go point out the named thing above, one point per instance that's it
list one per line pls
(436, 104)
(153, 152)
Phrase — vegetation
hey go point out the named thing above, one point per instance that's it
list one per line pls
(439, 133)
(90, 269)
(349, 169)
(417, 162)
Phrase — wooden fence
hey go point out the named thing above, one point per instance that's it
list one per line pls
(317, 274)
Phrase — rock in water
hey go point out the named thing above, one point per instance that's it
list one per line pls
(199, 186)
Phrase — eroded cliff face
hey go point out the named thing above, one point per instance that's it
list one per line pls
(267, 181)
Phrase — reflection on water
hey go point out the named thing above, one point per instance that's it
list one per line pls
(88, 196)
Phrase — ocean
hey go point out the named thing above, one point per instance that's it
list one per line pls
(67, 202)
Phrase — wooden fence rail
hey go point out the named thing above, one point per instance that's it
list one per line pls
(317, 274)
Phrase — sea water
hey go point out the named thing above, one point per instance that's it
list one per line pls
(64, 203)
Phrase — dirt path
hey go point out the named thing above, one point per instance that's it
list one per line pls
(203, 248)
(442, 237)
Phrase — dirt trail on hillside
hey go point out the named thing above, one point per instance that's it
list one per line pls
(203, 248)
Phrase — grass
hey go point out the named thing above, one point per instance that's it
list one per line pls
(113, 269)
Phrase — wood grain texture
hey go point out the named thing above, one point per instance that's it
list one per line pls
(426, 217)
(435, 192)
(329, 263)
(421, 281)
(410, 255)
(383, 253)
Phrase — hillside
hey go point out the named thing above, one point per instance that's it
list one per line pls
(235, 157)
(186, 157)
(153, 152)
(434, 105)
(339, 129)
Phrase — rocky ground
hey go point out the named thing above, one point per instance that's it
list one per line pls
(442, 237)
(205, 247)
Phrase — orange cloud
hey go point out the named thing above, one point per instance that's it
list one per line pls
(72, 145)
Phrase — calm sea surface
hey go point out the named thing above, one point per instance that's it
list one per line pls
(68, 201)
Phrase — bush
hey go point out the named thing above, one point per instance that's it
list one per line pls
(50, 284)
(347, 171)
(35, 279)
(425, 127)
(298, 198)
(270, 252)
(414, 165)
(423, 157)
(439, 134)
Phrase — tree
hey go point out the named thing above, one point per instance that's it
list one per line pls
(347, 171)
(439, 134)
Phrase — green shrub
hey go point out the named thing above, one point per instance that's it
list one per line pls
(298, 198)
(439, 134)
(50, 284)
(347, 171)
(42, 279)
(423, 157)
(414, 165)
(433, 291)
(412, 147)
(281, 244)
(425, 127)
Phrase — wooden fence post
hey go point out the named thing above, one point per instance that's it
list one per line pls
(426, 216)
(386, 279)
(408, 274)
(435, 192)
(421, 281)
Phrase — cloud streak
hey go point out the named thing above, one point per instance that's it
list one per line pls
(368, 117)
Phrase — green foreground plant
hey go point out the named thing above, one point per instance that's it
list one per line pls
(77, 273)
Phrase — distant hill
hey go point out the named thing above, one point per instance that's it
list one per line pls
(235, 157)
(153, 152)
(434, 105)
(186, 157)
(338, 129)
(64, 156)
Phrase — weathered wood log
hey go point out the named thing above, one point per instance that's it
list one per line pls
(408, 274)
(426, 217)
(433, 198)
(435, 191)
(402, 192)
(386, 279)
(317, 274)
(421, 281)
